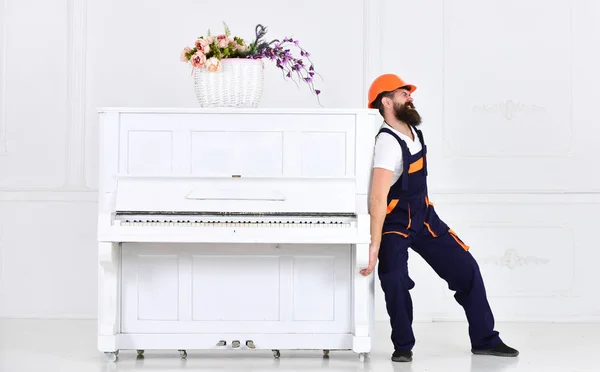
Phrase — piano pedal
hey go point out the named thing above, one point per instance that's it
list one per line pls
(222, 343)
(235, 344)
(250, 344)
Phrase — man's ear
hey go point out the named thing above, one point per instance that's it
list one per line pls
(386, 101)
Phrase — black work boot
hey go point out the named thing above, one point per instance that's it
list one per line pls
(499, 350)
(402, 356)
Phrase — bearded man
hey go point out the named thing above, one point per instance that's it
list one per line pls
(402, 216)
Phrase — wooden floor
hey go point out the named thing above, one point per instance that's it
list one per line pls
(70, 346)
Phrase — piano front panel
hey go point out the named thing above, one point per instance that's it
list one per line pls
(149, 152)
(248, 153)
(155, 279)
(324, 155)
(236, 288)
(309, 273)
(260, 145)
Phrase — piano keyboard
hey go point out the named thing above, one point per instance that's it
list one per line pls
(229, 222)
(235, 224)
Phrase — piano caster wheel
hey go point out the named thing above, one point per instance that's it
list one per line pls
(222, 343)
(325, 352)
(235, 344)
(182, 354)
(250, 344)
(362, 356)
(276, 354)
(111, 356)
(140, 352)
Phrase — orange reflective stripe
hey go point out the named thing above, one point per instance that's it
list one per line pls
(396, 232)
(416, 166)
(409, 220)
(392, 205)
(460, 242)
(430, 231)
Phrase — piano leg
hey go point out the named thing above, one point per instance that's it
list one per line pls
(364, 291)
(108, 297)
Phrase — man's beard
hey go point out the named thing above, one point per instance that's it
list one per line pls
(407, 113)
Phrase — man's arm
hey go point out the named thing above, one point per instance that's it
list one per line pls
(382, 181)
(380, 187)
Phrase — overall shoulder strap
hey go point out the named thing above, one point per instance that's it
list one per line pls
(420, 135)
(405, 156)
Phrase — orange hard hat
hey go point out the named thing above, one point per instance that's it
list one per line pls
(387, 83)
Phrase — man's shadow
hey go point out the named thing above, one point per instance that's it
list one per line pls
(480, 363)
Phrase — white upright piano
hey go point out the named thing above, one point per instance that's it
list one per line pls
(234, 229)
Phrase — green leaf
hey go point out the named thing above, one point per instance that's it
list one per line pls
(227, 31)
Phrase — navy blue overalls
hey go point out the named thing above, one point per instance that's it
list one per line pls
(411, 221)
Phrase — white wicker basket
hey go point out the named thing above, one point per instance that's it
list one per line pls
(239, 83)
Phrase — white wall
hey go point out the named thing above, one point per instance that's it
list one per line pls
(504, 90)
(507, 90)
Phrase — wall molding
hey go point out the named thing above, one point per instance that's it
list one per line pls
(3, 75)
(76, 111)
(442, 196)
(505, 197)
(513, 258)
(509, 197)
(50, 317)
(371, 46)
(76, 126)
(28, 196)
(1, 259)
(526, 319)
(449, 151)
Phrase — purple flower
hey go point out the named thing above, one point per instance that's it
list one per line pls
(281, 52)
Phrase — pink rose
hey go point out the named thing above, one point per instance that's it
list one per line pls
(213, 64)
(202, 45)
(183, 57)
(209, 39)
(198, 59)
(222, 41)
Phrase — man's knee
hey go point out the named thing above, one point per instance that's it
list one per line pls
(394, 278)
(463, 276)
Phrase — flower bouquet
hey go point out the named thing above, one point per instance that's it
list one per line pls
(228, 71)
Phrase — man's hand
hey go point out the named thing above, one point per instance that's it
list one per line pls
(373, 253)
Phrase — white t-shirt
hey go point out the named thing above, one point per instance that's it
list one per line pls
(388, 153)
